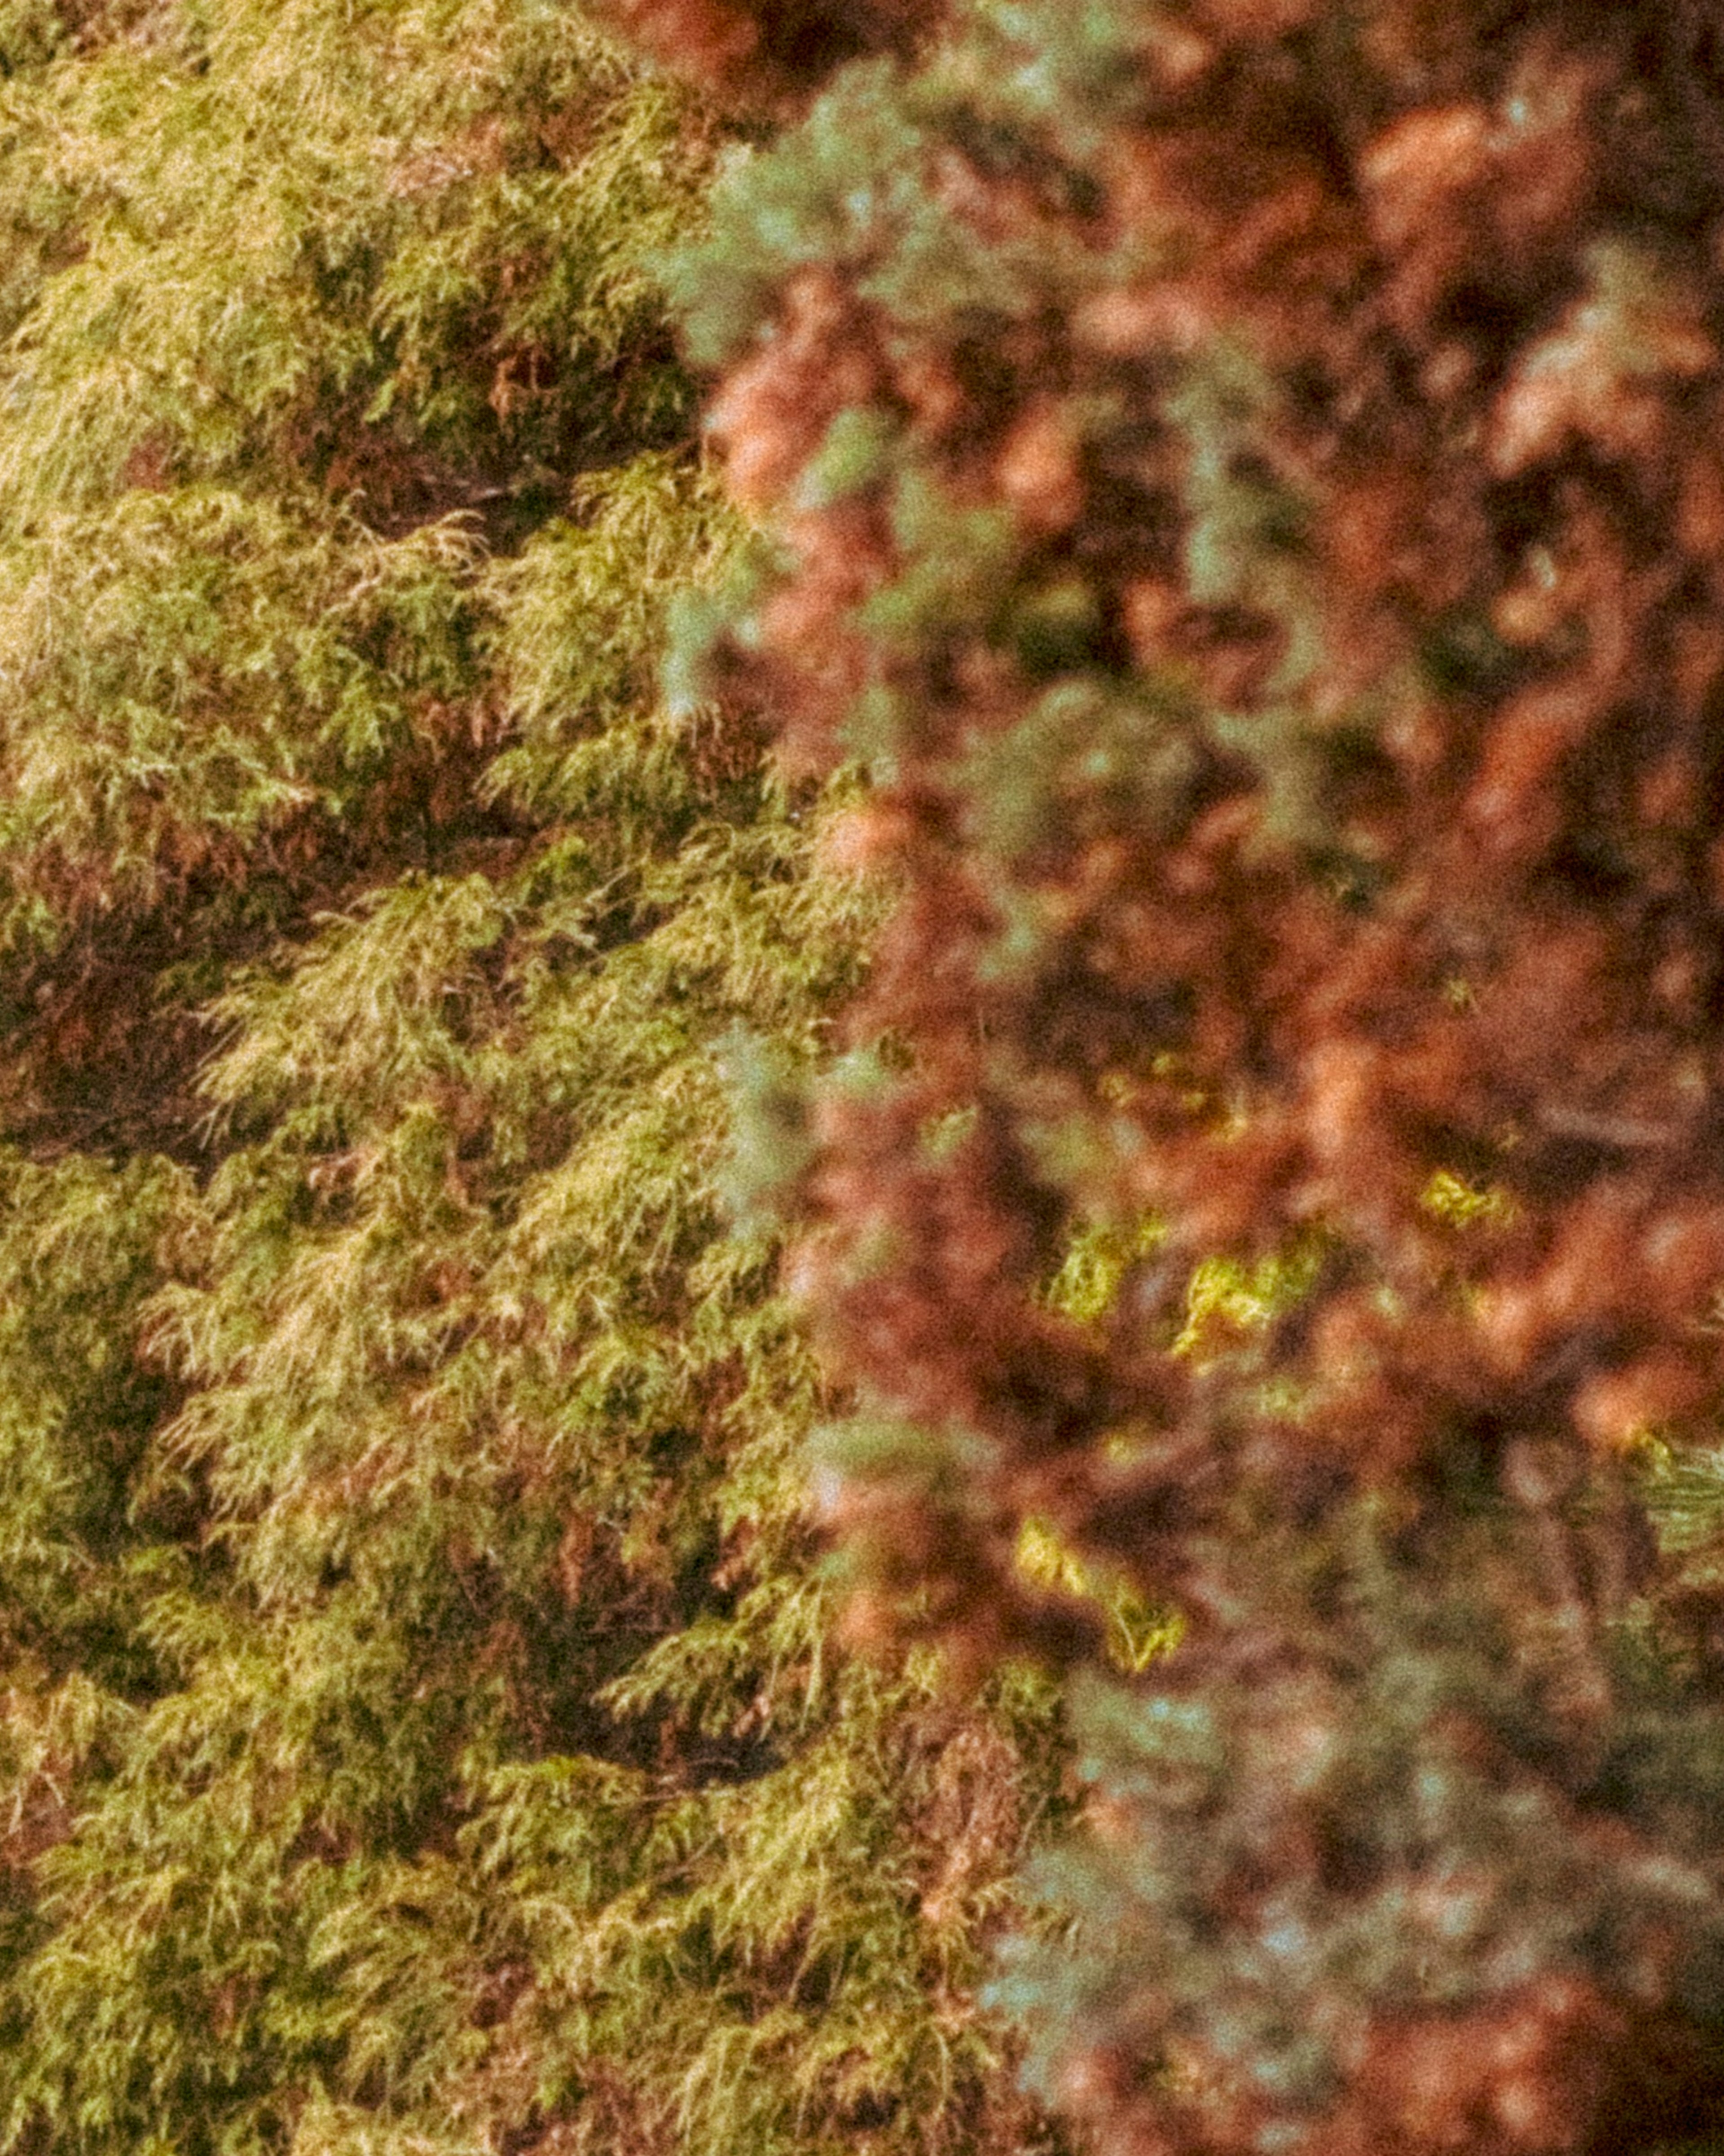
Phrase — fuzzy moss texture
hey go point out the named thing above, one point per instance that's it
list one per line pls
(416, 1731)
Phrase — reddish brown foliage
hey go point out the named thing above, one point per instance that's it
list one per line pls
(774, 53)
(1443, 896)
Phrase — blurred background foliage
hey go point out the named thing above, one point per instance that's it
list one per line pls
(1243, 477)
